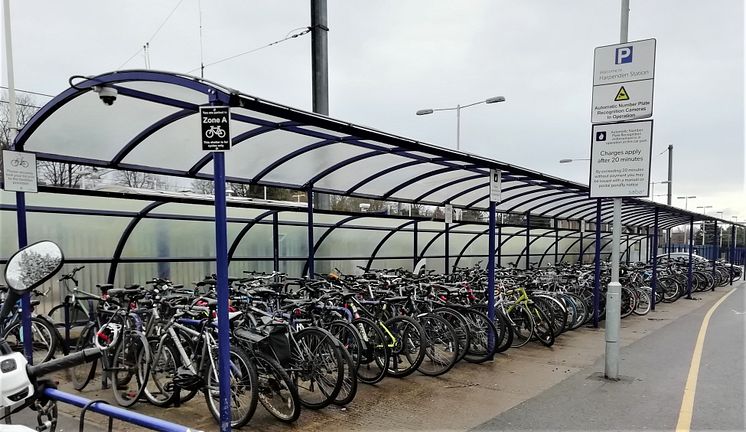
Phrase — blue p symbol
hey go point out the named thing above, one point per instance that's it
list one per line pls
(623, 55)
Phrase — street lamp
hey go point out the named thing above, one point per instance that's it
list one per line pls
(573, 160)
(704, 212)
(652, 191)
(458, 109)
(686, 200)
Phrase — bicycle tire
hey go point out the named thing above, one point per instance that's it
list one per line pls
(481, 347)
(349, 385)
(457, 320)
(408, 343)
(313, 349)
(374, 353)
(160, 390)
(441, 345)
(131, 355)
(243, 378)
(82, 374)
(274, 385)
(43, 339)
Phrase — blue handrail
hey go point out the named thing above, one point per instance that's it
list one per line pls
(117, 413)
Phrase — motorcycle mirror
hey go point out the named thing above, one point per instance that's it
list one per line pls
(32, 266)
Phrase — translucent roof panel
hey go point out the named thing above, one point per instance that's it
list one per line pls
(153, 126)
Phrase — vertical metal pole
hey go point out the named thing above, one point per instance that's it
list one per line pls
(670, 176)
(597, 278)
(528, 240)
(499, 245)
(732, 254)
(691, 249)
(716, 254)
(626, 248)
(320, 72)
(648, 243)
(668, 243)
(458, 127)
(654, 284)
(276, 241)
(556, 242)
(311, 269)
(447, 258)
(613, 294)
(20, 196)
(221, 254)
(415, 247)
(491, 268)
(582, 234)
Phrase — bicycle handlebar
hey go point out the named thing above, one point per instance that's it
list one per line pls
(65, 362)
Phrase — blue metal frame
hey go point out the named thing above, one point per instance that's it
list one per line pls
(125, 236)
(326, 234)
(717, 250)
(654, 283)
(249, 225)
(388, 236)
(310, 263)
(691, 251)
(491, 269)
(528, 242)
(597, 267)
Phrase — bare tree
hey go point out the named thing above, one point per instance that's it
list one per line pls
(26, 108)
(205, 187)
(136, 179)
(62, 174)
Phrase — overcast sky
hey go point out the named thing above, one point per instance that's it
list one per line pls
(387, 59)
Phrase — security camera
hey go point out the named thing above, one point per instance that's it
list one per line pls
(107, 94)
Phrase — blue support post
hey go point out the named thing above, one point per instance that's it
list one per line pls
(447, 258)
(491, 272)
(499, 245)
(668, 243)
(732, 254)
(415, 246)
(654, 283)
(221, 254)
(528, 241)
(627, 248)
(556, 242)
(597, 279)
(716, 254)
(25, 299)
(311, 269)
(582, 232)
(691, 250)
(276, 241)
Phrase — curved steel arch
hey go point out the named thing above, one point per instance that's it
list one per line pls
(467, 191)
(445, 185)
(630, 246)
(326, 234)
(383, 240)
(415, 179)
(379, 174)
(546, 251)
(466, 246)
(293, 154)
(435, 237)
(344, 163)
(148, 131)
(573, 200)
(237, 139)
(245, 230)
(585, 210)
(527, 247)
(545, 193)
(125, 236)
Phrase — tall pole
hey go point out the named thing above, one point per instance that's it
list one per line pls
(614, 292)
(491, 270)
(320, 73)
(670, 173)
(20, 196)
(458, 127)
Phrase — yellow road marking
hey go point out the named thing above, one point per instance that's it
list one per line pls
(687, 403)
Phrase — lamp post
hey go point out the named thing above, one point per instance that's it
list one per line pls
(458, 109)
(704, 212)
(573, 160)
(720, 237)
(686, 207)
(652, 189)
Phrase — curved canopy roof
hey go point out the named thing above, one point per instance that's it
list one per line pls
(154, 127)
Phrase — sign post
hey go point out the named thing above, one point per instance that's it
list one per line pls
(216, 131)
(623, 77)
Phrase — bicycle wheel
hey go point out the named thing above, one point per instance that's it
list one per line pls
(406, 345)
(484, 337)
(441, 345)
(543, 330)
(80, 375)
(77, 317)
(43, 339)
(457, 320)
(130, 367)
(276, 391)
(643, 300)
(628, 302)
(374, 354)
(243, 384)
(160, 390)
(317, 367)
(349, 336)
(349, 385)
(522, 324)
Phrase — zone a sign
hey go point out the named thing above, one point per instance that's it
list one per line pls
(215, 122)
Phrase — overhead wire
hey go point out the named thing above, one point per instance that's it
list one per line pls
(289, 36)
(147, 43)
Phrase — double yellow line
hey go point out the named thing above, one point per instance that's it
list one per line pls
(687, 403)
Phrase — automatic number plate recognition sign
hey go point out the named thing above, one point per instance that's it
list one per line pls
(620, 159)
(215, 125)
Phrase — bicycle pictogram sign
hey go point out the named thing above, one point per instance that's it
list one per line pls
(215, 126)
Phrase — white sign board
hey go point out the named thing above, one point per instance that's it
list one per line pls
(495, 185)
(632, 61)
(19, 171)
(620, 159)
(622, 102)
(449, 213)
(623, 76)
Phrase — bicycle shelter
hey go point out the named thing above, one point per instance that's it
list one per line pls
(153, 127)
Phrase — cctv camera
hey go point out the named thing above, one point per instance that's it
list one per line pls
(107, 94)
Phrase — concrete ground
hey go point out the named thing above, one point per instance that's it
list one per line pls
(538, 388)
